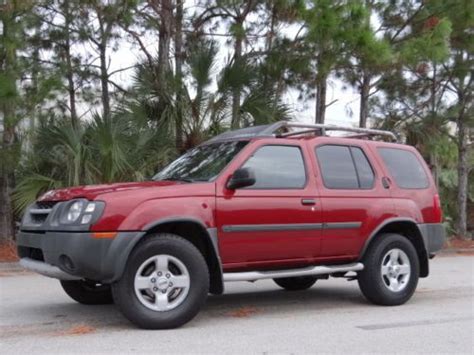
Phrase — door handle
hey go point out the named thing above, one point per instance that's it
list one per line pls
(308, 201)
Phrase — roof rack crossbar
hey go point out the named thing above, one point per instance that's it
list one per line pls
(272, 130)
(323, 127)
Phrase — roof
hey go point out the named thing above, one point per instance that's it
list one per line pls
(283, 129)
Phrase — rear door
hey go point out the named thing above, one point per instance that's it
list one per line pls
(353, 198)
(277, 221)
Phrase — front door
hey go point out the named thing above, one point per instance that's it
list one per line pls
(275, 222)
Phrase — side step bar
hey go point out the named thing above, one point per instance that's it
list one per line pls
(46, 269)
(274, 274)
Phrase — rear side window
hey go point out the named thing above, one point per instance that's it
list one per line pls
(277, 167)
(405, 168)
(344, 167)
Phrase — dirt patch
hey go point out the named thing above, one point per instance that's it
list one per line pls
(243, 312)
(78, 330)
(8, 252)
(465, 252)
(15, 273)
(460, 243)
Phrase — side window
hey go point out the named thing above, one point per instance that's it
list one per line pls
(364, 170)
(277, 167)
(405, 168)
(344, 167)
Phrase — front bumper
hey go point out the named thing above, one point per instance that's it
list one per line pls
(434, 236)
(72, 255)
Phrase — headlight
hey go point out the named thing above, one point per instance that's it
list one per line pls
(74, 211)
(81, 212)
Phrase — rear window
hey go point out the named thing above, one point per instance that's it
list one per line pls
(405, 168)
(344, 167)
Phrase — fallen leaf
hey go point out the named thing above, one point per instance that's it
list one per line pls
(243, 312)
(78, 330)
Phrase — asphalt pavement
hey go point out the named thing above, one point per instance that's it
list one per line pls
(36, 316)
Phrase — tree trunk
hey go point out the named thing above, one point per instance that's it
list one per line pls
(178, 58)
(321, 88)
(69, 70)
(104, 79)
(166, 29)
(364, 101)
(463, 171)
(7, 111)
(6, 177)
(235, 123)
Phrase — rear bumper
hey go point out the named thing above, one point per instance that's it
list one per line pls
(434, 236)
(70, 255)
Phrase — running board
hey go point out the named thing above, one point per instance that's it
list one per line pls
(275, 274)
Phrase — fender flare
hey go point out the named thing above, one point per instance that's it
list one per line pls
(215, 265)
(422, 254)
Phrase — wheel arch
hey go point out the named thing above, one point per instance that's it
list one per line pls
(194, 231)
(407, 228)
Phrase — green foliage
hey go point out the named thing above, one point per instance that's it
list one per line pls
(431, 44)
(411, 62)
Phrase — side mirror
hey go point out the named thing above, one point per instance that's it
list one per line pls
(241, 178)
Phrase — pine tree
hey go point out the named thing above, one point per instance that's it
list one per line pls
(329, 26)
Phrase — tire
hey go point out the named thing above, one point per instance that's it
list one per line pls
(381, 282)
(146, 294)
(296, 283)
(87, 292)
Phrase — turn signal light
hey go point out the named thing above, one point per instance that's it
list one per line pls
(102, 235)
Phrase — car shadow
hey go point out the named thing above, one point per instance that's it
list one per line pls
(281, 301)
(64, 316)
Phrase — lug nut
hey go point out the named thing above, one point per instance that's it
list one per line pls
(164, 291)
(155, 289)
(171, 284)
(168, 275)
(159, 273)
(153, 280)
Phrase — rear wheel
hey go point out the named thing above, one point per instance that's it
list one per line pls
(165, 283)
(391, 271)
(87, 292)
(296, 283)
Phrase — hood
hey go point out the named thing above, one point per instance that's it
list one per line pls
(90, 192)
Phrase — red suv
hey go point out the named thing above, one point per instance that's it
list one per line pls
(283, 202)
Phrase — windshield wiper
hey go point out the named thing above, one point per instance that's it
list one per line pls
(176, 178)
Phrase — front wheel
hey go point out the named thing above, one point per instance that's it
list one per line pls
(87, 292)
(296, 283)
(165, 283)
(391, 271)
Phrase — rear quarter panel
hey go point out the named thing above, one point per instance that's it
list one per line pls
(416, 204)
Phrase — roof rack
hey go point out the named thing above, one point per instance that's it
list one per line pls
(323, 128)
(285, 127)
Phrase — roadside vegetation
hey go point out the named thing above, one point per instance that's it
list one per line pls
(411, 63)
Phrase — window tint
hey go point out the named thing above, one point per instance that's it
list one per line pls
(277, 167)
(364, 170)
(345, 167)
(405, 168)
(337, 167)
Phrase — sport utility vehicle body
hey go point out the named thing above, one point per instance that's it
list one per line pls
(247, 205)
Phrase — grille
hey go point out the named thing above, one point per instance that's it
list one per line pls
(40, 211)
(46, 204)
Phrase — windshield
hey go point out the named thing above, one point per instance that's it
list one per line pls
(202, 163)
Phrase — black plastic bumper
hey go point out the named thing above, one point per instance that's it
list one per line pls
(78, 253)
(434, 236)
